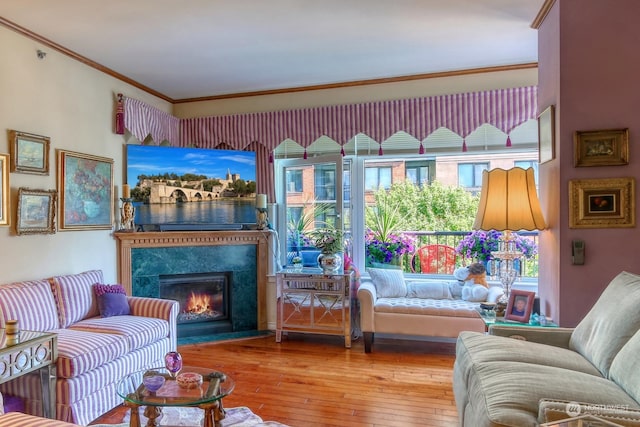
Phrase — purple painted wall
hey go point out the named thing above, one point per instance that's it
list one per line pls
(589, 63)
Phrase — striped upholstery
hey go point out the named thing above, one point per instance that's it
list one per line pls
(81, 351)
(17, 419)
(17, 301)
(94, 353)
(139, 331)
(75, 297)
(160, 309)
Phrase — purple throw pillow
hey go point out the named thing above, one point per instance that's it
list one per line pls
(112, 300)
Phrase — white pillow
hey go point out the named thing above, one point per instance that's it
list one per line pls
(474, 293)
(433, 290)
(455, 287)
(389, 283)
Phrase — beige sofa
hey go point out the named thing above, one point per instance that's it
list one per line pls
(551, 373)
(418, 308)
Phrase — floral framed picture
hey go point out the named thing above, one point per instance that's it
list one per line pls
(36, 211)
(29, 153)
(520, 305)
(85, 188)
(602, 203)
(4, 190)
(601, 148)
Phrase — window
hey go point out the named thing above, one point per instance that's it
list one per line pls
(417, 173)
(376, 178)
(470, 174)
(294, 181)
(325, 182)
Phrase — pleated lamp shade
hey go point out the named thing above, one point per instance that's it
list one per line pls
(509, 201)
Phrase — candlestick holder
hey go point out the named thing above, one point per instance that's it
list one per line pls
(262, 218)
(127, 214)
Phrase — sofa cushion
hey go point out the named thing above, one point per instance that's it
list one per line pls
(434, 290)
(444, 307)
(81, 351)
(138, 331)
(506, 393)
(18, 300)
(612, 321)
(389, 283)
(625, 368)
(17, 419)
(75, 296)
(473, 348)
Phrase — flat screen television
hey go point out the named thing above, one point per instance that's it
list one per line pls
(178, 188)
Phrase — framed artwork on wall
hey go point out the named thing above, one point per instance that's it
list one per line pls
(519, 306)
(85, 186)
(602, 203)
(546, 135)
(601, 148)
(36, 211)
(29, 153)
(4, 190)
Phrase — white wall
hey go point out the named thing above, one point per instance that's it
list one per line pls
(73, 105)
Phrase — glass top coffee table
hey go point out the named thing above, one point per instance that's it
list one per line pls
(157, 388)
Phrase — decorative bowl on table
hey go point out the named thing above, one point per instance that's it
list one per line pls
(153, 382)
(189, 380)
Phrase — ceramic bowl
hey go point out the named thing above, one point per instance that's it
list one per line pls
(189, 380)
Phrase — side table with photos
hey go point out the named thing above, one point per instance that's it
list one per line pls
(312, 301)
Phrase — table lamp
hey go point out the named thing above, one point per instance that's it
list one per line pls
(508, 202)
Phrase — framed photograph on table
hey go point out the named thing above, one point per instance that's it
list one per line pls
(602, 203)
(36, 211)
(546, 135)
(29, 153)
(601, 148)
(85, 188)
(519, 306)
(4, 190)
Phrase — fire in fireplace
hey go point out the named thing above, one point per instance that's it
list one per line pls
(205, 301)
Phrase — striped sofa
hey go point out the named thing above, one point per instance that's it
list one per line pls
(94, 353)
(18, 419)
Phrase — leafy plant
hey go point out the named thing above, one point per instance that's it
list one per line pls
(389, 250)
(479, 244)
(328, 240)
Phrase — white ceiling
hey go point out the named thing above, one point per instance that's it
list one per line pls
(201, 48)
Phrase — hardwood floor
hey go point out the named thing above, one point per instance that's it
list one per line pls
(312, 380)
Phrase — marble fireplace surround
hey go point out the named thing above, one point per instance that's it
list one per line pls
(129, 242)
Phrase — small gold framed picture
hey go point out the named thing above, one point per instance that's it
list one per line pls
(36, 211)
(601, 148)
(602, 203)
(29, 153)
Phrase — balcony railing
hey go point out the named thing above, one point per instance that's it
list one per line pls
(528, 267)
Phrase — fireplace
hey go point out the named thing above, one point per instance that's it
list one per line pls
(205, 301)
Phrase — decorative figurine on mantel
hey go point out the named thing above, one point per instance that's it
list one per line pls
(262, 219)
(127, 211)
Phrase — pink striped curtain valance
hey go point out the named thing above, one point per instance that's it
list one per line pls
(142, 119)
(461, 113)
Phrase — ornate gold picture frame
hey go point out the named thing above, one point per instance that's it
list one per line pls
(85, 185)
(36, 211)
(602, 203)
(601, 148)
(29, 153)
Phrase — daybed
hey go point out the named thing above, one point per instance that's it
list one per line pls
(551, 373)
(389, 304)
(94, 352)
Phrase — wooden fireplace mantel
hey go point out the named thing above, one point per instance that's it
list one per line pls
(129, 240)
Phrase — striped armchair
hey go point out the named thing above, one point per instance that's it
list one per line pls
(94, 352)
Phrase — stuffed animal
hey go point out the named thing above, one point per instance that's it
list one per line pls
(475, 286)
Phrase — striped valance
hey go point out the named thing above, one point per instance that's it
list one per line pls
(461, 113)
